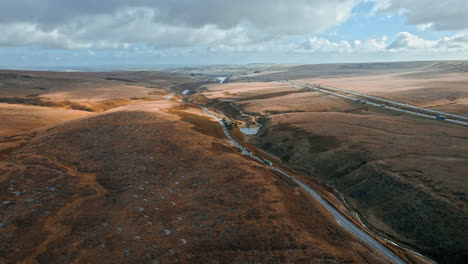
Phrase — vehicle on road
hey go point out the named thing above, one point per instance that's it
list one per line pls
(440, 117)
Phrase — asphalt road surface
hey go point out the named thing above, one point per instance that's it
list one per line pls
(339, 217)
(411, 109)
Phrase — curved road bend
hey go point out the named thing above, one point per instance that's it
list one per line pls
(339, 217)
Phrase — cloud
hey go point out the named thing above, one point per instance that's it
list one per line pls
(85, 23)
(405, 40)
(19, 34)
(408, 42)
(322, 45)
(265, 29)
(424, 27)
(440, 15)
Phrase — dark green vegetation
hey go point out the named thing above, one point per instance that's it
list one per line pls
(407, 213)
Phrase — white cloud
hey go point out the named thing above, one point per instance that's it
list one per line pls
(408, 42)
(323, 45)
(457, 42)
(405, 40)
(371, 45)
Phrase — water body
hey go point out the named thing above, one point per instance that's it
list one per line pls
(250, 130)
(221, 79)
(339, 217)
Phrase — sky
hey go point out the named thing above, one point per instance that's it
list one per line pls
(87, 33)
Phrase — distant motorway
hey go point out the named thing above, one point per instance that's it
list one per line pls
(341, 219)
(387, 104)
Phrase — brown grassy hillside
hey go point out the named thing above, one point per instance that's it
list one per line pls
(405, 175)
(146, 183)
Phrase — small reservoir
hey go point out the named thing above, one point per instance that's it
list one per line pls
(250, 130)
(221, 79)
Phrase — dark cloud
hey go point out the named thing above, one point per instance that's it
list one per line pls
(116, 23)
(441, 15)
(230, 25)
(290, 17)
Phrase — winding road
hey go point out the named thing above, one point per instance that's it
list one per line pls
(341, 219)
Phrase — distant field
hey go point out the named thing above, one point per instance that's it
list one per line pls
(445, 92)
(102, 167)
(404, 174)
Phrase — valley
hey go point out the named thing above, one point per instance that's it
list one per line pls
(128, 167)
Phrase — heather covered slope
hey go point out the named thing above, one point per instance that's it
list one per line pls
(157, 181)
(405, 175)
(406, 180)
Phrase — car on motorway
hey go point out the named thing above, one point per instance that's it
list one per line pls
(440, 117)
